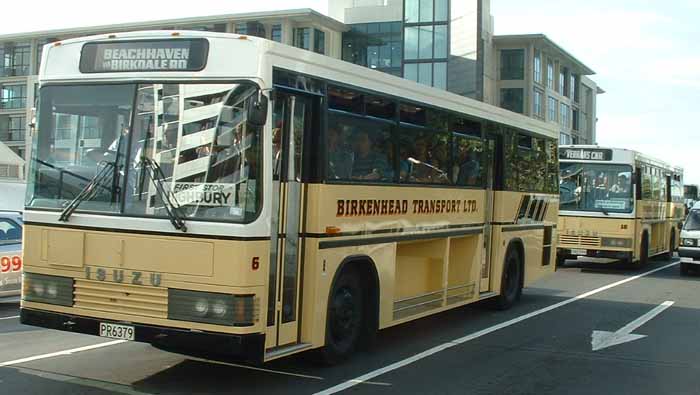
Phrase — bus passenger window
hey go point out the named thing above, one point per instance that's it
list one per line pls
(369, 162)
(468, 169)
(358, 149)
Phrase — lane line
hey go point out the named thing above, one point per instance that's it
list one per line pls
(61, 353)
(442, 347)
(235, 365)
(9, 318)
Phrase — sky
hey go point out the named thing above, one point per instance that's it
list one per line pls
(645, 54)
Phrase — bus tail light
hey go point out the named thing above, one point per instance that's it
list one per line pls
(48, 289)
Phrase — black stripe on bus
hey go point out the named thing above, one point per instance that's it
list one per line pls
(515, 228)
(148, 232)
(392, 239)
(391, 230)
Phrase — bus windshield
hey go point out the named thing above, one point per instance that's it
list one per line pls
(197, 134)
(595, 187)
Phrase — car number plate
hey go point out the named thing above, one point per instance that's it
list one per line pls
(578, 252)
(114, 331)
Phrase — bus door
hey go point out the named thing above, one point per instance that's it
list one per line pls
(493, 157)
(291, 119)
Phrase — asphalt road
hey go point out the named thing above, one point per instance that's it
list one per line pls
(541, 346)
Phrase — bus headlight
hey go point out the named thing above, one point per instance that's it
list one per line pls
(212, 308)
(689, 242)
(616, 242)
(48, 289)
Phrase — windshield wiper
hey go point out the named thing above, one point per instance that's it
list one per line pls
(170, 203)
(89, 191)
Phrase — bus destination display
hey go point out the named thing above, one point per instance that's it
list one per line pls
(145, 55)
(585, 154)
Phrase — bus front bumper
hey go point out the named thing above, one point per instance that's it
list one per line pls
(571, 253)
(249, 348)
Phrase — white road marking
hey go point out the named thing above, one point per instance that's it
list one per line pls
(61, 353)
(255, 368)
(442, 347)
(604, 339)
(9, 318)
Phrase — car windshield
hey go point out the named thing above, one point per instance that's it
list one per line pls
(603, 188)
(197, 134)
(693, 220)
(10, 232)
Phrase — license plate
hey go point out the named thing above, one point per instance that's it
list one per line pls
(578, 252)
(114, 331)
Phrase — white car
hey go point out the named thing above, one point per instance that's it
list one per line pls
(689, 250)
(10, 254)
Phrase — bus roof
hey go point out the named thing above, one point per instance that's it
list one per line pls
(219, 65)
(583, 153)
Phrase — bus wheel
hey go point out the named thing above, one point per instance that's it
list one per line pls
(511, 281)
(644, 250)
(345, 318)
(671, 247)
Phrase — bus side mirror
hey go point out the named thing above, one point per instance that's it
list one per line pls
(257, 110)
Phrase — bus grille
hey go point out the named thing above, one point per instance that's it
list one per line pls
(583, 241)
(121, 298)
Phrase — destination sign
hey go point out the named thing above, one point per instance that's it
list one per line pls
(144, 55)
(585, 154)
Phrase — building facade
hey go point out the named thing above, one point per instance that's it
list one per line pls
(449, 44)
(20, 54)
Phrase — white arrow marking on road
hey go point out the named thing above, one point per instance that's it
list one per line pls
(605, 339)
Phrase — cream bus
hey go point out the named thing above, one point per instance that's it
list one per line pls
(617, 203)
(228, 194)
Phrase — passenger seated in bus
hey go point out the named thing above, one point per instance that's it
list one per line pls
(440, 159)
(470, 170)
(339, 157)
(621, 187)
(368, 164)
(422, 168)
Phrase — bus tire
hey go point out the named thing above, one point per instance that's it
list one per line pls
(685, 269)
(644, 250)
(511, 281)
(671, 246)
(345, 318)
(561, 260)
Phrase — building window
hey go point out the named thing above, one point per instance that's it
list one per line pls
(375, 45)
(537, 107)
(256, 29)
(426, 42)
(537, 67)
(302, 37)
(563, 82)
(574, 86)
(552, 109)
(12, 128)
(319, 41)
(512, 64)
(564, 139)
(276, 33)
(431, 74)
(575, 119)
(13, 96)
(550, 75)
(564, 115)
(14, 59)
(512, 99)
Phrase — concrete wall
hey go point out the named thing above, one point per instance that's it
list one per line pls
(366, 11)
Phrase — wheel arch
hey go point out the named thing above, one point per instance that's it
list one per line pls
(367, 270)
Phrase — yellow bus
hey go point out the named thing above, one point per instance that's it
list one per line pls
(228, 194)
(617, 203)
